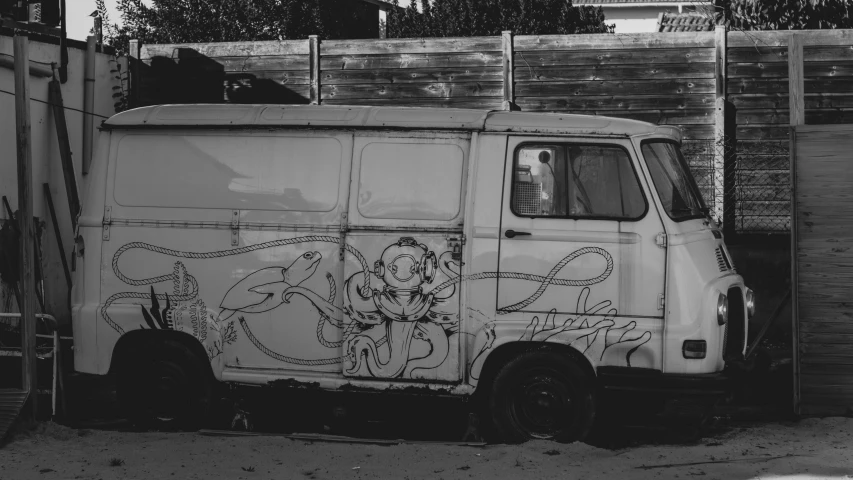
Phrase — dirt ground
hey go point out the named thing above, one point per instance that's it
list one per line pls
(810, 448)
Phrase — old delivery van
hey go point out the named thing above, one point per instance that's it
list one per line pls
(527, 259)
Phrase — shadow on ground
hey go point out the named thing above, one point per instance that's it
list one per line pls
(760, 397)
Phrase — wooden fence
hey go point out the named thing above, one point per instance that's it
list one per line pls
(729, 91)
(823, 269)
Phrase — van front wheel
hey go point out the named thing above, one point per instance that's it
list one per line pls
(542, 394)
(164, 386)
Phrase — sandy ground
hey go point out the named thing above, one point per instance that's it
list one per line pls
(811, 448)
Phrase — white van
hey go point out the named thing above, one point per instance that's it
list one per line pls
(530, 259)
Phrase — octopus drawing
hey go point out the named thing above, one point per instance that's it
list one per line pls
(401, 326)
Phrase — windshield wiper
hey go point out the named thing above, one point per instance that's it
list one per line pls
(691, 211)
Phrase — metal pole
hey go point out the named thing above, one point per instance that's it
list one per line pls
(25, 219)
(88, 102)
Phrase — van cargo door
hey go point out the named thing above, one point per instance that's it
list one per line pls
(402, 262)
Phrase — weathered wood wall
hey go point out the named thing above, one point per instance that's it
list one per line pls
(667, 78)
(446, 72)
(660, 78)
(823, 281)
(238, 72)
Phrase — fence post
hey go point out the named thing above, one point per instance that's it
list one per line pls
(720, 140)
(27, 266)
(796, 89)
(796, 85)
(314, 65)
(133, 65)
(508, 75)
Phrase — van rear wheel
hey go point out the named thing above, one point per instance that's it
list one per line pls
(164, 386)
(542, 394)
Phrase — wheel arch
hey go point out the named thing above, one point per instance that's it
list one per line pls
(136, 340)
(505, 352)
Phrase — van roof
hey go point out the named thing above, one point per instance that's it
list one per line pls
(338, 116)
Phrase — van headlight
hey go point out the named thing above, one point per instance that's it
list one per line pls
(722, 309)
(750, 302)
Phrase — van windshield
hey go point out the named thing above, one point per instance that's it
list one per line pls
(676, 187)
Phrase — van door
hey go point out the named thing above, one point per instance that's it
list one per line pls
(401, 290)
(578, 259)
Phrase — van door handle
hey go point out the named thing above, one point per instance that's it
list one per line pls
(513, 233)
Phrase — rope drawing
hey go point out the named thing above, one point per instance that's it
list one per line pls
(193, 290)
(186, 288)
(545, 281)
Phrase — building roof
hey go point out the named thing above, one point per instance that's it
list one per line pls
(637, 3)
(686, 22)
(335, 116)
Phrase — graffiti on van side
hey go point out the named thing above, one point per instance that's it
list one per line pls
(592, 331)
(189, 317)
(396, 319)
(261, 290)
(397, 312)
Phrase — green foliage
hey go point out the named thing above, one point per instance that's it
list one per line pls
(785, 14)
(462, 18)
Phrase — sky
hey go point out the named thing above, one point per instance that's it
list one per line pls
(79, 21)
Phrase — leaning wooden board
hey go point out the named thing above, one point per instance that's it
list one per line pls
(823, 268)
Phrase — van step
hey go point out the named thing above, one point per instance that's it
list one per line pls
(11, 401)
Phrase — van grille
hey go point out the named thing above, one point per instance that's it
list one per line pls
(734, 339)
(723, 262)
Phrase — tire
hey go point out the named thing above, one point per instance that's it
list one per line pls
(163, 385)
(542, 394)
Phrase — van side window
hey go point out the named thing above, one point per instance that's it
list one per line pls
(249, 172)
(410, 181)
(575, 181)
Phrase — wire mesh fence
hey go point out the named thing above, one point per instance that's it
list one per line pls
(747, 188)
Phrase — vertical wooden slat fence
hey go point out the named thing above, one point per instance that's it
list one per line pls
(823, 270)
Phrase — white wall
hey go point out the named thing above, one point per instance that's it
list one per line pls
(47, 166)
(639, 19)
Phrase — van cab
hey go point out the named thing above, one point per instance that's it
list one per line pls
(529, 260)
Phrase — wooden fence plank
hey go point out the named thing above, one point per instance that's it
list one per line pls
(616, 102)
(507, 71)
(241, 64)
(721, 115)
(626, 87)
(314, 69)
(796, 88)
(474, 89)
(758, 70)
(410, 60)
(663, 117)
(411, 45)
(675, 56)
(613, 72)
(226, 49)
(758, 54)
(763, 86)
(612, 41)
(824, 53)
(412, 75)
